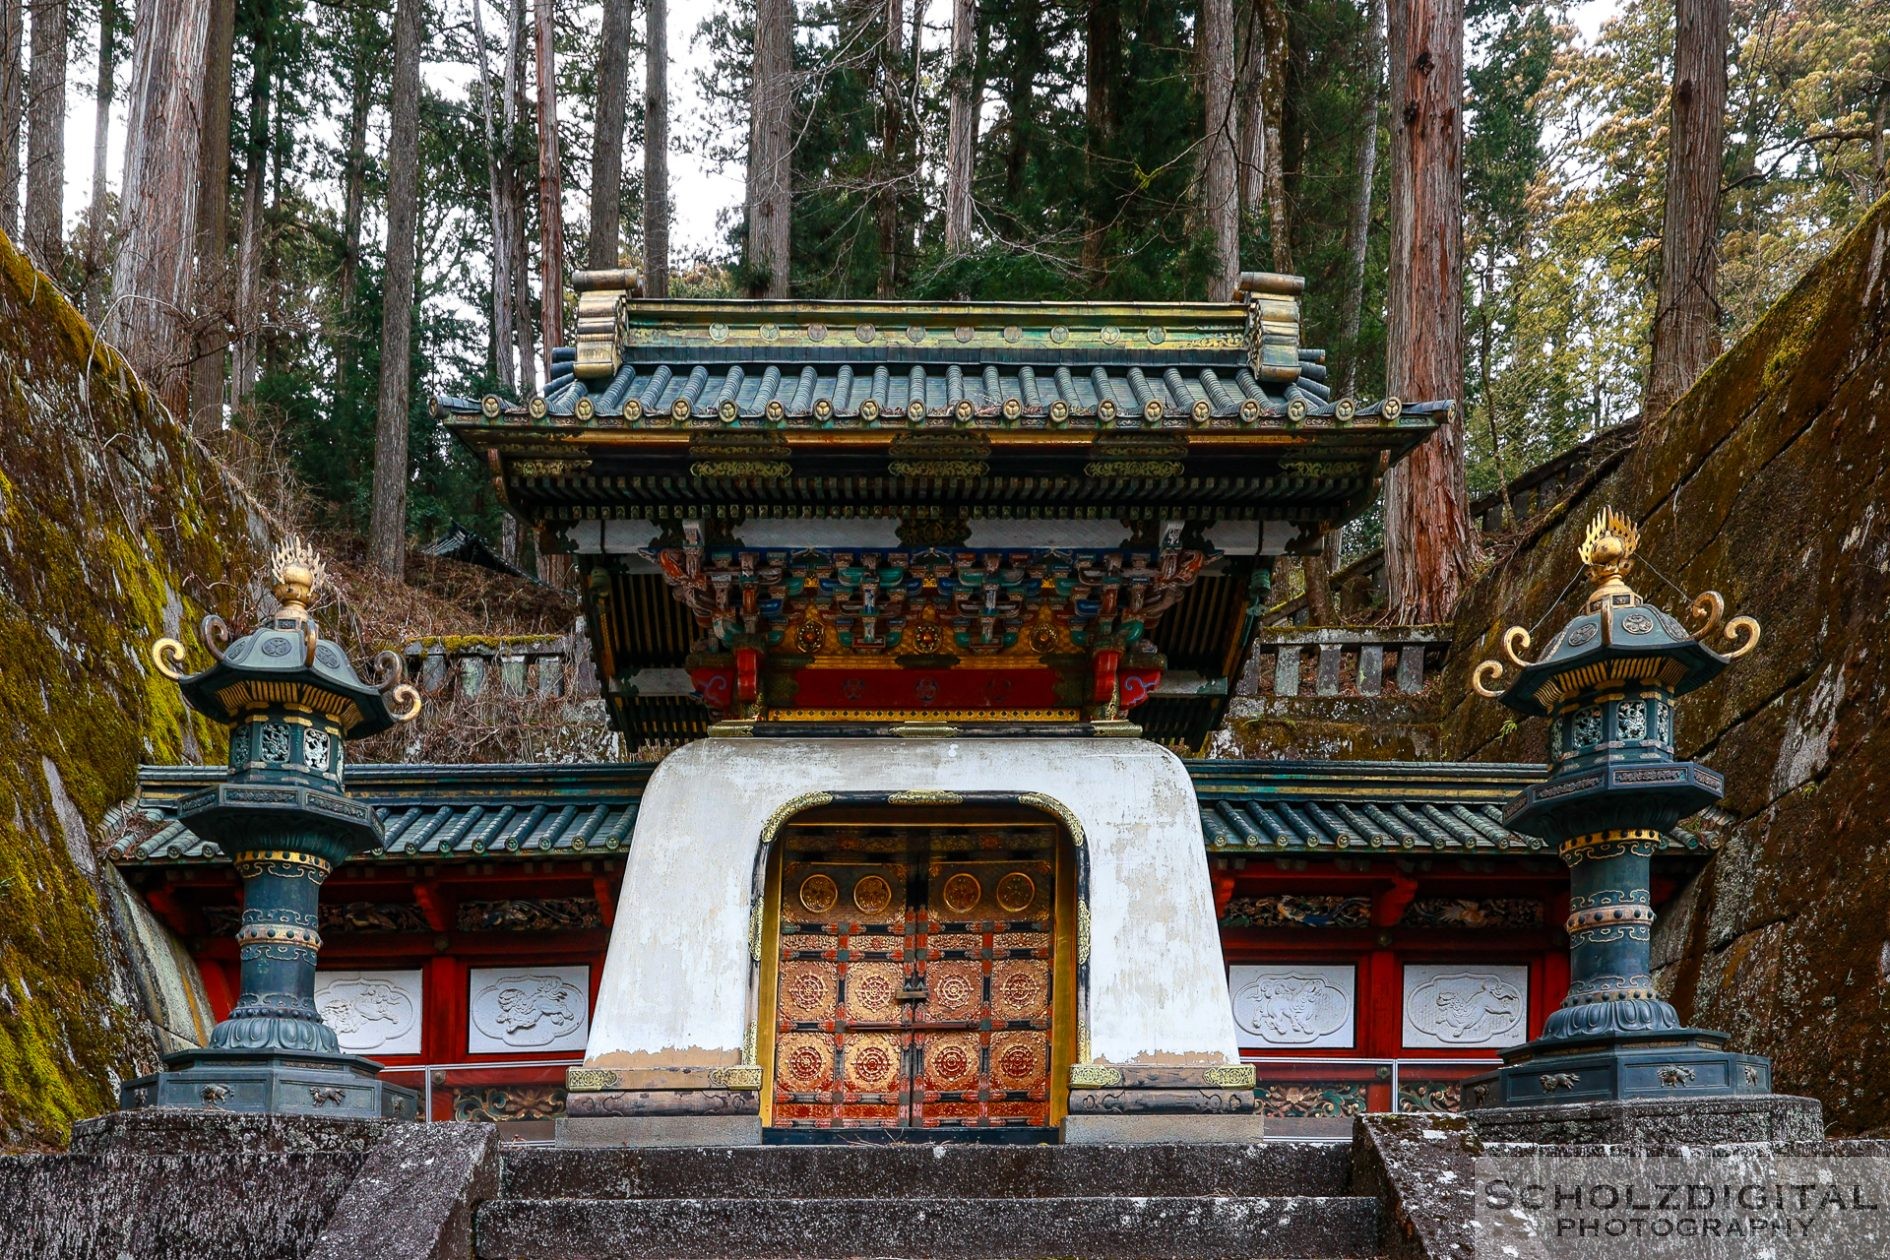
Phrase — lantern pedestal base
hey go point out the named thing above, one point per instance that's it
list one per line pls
(1683, 1064)
(338, 1086)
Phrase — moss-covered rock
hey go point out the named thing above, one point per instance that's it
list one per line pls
(114, 528)
(1769, 481)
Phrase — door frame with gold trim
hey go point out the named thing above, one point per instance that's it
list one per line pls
(1070, 975)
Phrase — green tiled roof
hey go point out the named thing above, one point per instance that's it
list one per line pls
(431, 813)
(446, 813)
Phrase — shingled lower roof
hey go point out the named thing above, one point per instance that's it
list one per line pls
(467, 813)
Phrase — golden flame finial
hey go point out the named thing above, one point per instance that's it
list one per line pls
(1608, 549)
(298, 573)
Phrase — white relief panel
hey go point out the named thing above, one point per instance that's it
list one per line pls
(372, 1012)
(1457, 1006)
(528, 1009)
(1285, 1005)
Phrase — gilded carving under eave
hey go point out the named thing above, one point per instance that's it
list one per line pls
(1063, 812)
(778, 819)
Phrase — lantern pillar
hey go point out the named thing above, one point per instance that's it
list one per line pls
(283, 817)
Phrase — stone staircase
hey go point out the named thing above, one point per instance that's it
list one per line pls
(1290, 1201)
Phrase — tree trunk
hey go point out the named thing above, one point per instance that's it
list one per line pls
(1686, 314)
(245, 363)
(961, 137)
(1102, 71)
(1220, 198)
(387, 533)
(1358, 228)
(1429, 547)
(1318, 569)
(211, 323)
(46, 137)
(101, 142)
(504, 366)
(550, 187)
(151, 280)
(656, 149)
(1273, 32)
(517, 202)
(12, 111)
(770, 151)
(891, 115)
(1250, 129)
(603, 247)
(354, 186)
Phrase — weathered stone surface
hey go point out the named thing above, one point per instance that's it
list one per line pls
(1419, 1169)
(415, 1195)
(1767, 482)
(165, 1131)
(239, 1205)
(660, 1131)
(941, 1229)
(188, 1185)
(1753, 1118)
(1170, 1127)
(900, 1171)
(114, 528)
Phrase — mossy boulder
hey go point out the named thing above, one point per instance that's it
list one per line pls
(115, 528)
(1770, 482)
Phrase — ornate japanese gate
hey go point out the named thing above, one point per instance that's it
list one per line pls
(914, 980)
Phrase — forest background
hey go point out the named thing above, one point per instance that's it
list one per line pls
(929, 149)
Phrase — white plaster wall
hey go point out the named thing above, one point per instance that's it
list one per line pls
(675, 985)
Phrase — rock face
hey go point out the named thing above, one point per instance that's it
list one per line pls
(1767, 482)
(114, 529)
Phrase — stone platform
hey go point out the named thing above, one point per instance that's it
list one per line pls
(182, 1185)
(1148, 1202)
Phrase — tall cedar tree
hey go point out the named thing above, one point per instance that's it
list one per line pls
(498, 181)
(1220, 193)
(961, 133)
(387, 531)
(550, 185)
(602, 247)
(656, 148)
(246, 361)
(1429, 547)
(770, 151)
(152, 280)
(46, 136)
(213, 222)
(1686, 311)
(12, 110)
(101, 144)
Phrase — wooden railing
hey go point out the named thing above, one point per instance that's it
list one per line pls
(1361, 584)
(1346, 661)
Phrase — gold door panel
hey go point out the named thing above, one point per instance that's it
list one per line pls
(914, 982)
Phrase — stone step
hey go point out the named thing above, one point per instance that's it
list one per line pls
(1107, 1228)
(880, 1171)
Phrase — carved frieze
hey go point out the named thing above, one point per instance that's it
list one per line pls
(1453, 1006)
(1291, 1005)
(514, 1009)
(372, 1012)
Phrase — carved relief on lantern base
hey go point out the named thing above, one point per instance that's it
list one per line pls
(1684, 1063)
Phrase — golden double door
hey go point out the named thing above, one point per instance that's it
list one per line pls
(914, 979)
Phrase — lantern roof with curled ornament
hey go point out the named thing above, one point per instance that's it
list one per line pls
(285, 661)
(1618, 637)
